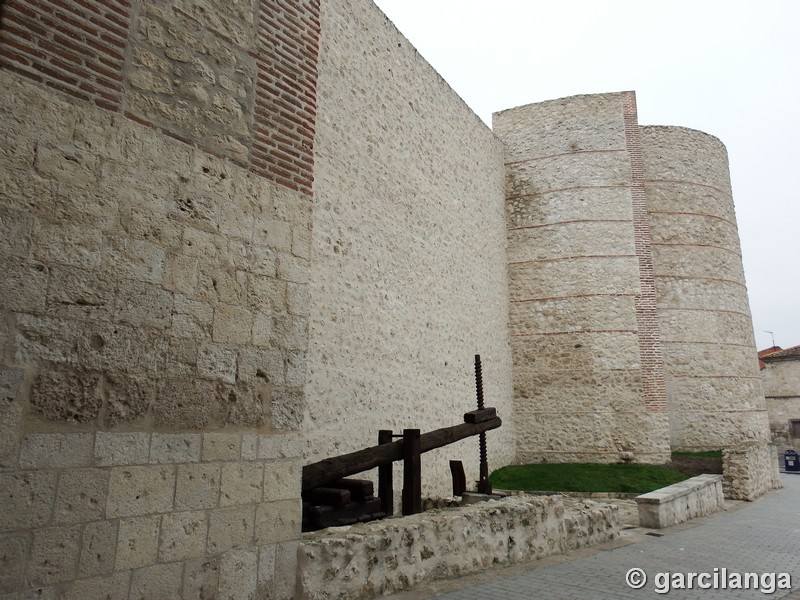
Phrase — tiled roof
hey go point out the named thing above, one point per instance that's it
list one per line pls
(792, 353)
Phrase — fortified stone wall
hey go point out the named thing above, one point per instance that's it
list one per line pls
(154, 262)
(408, 281)
(588, 378)
(714, 388)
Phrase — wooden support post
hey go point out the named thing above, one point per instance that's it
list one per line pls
(459, 478)
(385, 484)
(412, 472)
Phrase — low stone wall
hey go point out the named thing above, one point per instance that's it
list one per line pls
(363, 561)
(681, 502)
(750, 472)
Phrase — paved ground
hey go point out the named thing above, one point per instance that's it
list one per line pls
(758, 537)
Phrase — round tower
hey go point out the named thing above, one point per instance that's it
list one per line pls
(713, 385)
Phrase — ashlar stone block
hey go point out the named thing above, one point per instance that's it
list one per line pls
(136, 491)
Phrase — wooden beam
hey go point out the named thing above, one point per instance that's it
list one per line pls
(325, 471)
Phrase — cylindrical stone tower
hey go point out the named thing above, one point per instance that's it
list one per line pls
(713, 385)
(588, 377)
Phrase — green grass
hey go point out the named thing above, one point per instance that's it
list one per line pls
(705, 454)
(579, 477)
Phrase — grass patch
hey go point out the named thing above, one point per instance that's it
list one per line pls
(582, 477)
(704, 454)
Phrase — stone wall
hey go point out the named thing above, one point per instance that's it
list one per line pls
(714, 388)
(681, 502)
(750, 471)
(364, 561)
(588, 381)
(408, 278)
(155, 218)
(782, 390)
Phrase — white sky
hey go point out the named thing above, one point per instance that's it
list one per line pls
(730, 68)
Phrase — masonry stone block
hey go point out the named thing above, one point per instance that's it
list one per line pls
(111, 587)
(114, 449)
(24, 285)
(242, 483)
(197, 486)
(187, 403)
(52, 450)
(157, 582)
(54, 555)
(137, 542)
(201, 578)
(250, 446)
(38, 339)
(175, 447)
(136, 491)
(232, 324)
(183, 536)
(275, 446)
(143, 304)
(12, 390)
(81, 496)
(287, 408)
(67, 395)
(98, 545)
(75, 293)
(222, 446)
(230, 528)
(282, 480)
(14, 549)
(277, 521)
(216, 362)
(244, 404)
(238, 574)
(27, 499)
(191, 318)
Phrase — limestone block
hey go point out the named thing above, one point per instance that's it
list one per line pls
(11, 404)
(262, 260)
(98, 544)
(79, 294)
(54, 555)
(201, 578)
(232, 324)
(66, 163)
(242, 483)
(187, 403)
(266, 364)
(250, 446)
(113, 449)
(191, 318)
(296, 369)
(197, 486)
(277, 521)
(142, 304)
(140, 260)
(277, 568)
(289, 445)
(81, 496)
(230, 528)
(39, 339)
(266, 293)
(183, 535)
(27, 499)
(282, 480)
(681, 502)
(111, 587)
(289, 332)
(137, 542)
(293, 268)
(16, 231)
(238, 574)
(122, 348)
(52, 450)
(127, 399)
(217, 362)
(14, 548)
(61, 394)
(23, 285)
(222, 446)
(140, 490)
(175, 447)
(287, 409)
(70, 245)
(157, 582)
(244, 403)
(180, 273)
(93, 207)
(262, 329)
(273, 233)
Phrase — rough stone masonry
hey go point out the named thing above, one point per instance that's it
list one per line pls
(237, 236)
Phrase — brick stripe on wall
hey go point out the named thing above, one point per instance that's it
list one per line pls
(653, 382)
(74, 46)
(285, 102)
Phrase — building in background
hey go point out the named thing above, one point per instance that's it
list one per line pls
(781, 372)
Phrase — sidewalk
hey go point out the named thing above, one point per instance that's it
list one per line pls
(758, 537)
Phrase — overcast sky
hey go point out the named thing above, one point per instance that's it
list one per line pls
(730, 68)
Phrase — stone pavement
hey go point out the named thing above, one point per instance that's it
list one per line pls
(758, 537)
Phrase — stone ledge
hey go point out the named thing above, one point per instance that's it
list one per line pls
(681, 502)
(382, 557)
